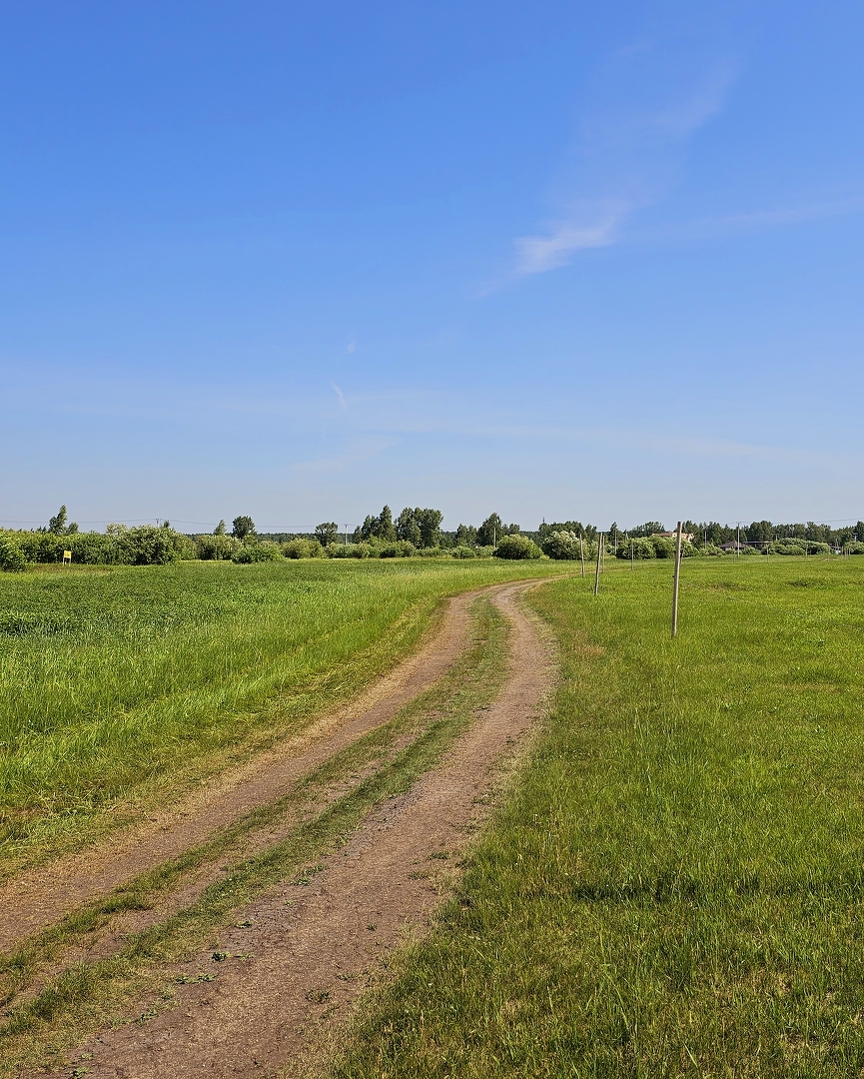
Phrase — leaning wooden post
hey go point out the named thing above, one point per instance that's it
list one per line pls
(675, 585)
(582, 554)
(597, 570)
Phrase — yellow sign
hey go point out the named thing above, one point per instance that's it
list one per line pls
(67, 557)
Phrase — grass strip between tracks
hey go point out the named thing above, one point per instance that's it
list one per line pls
(89, 995)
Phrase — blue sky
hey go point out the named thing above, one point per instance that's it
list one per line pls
(552, 259)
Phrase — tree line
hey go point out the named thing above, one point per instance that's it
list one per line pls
(414, 531)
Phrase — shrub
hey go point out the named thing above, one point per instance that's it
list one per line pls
(301, 548)
(145, 545)
(463, 551)
(187, 549)
(347, 550)
(12, 558)
(562, 546)
(786, 547)
(663, 546)
(89, 549)
(517, 546)
(216, 548)
(399, 549)
(257, 552)
(432, 552)
(642, 548)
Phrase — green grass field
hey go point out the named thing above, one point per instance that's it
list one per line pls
(121, 686)
(675, 884)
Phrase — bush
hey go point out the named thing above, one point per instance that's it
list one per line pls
(432, 552)
(642, 547)
(347, 550)
(785, 547)
(517, 546)
(663, 546)
(187, 549)
(12, 558)
(216, 548)
(90, 549)
(463, 551)
(399, 549)
(562, 546)
(145, 545)
(119, 545)
(302, 548)
(257, 552)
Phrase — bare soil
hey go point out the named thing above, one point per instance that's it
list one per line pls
(309, 948)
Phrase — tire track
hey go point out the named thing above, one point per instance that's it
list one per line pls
(306, 947)
(41, 896)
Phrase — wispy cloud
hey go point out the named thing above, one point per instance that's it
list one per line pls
(351, 347)
(340, 396)
(625, 160)
(536, 254)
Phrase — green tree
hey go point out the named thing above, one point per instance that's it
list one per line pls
(327, 533)
(219, 530)
(490, 531)
(650, 528)
(575, 527)
(408, 527)
(466, 536)
(57, 524)
(385, 528)
(759, 531)
(429, 521)
(243, 527)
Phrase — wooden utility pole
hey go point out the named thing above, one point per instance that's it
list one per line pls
(582, 554)
(675, 584)
(597, 570)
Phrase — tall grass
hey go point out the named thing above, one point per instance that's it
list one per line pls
(118, 681)
(676, 884)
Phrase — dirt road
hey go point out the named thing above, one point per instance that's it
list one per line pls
(302, 951)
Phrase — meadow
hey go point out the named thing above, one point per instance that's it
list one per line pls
(675, 882)
(123, 686)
